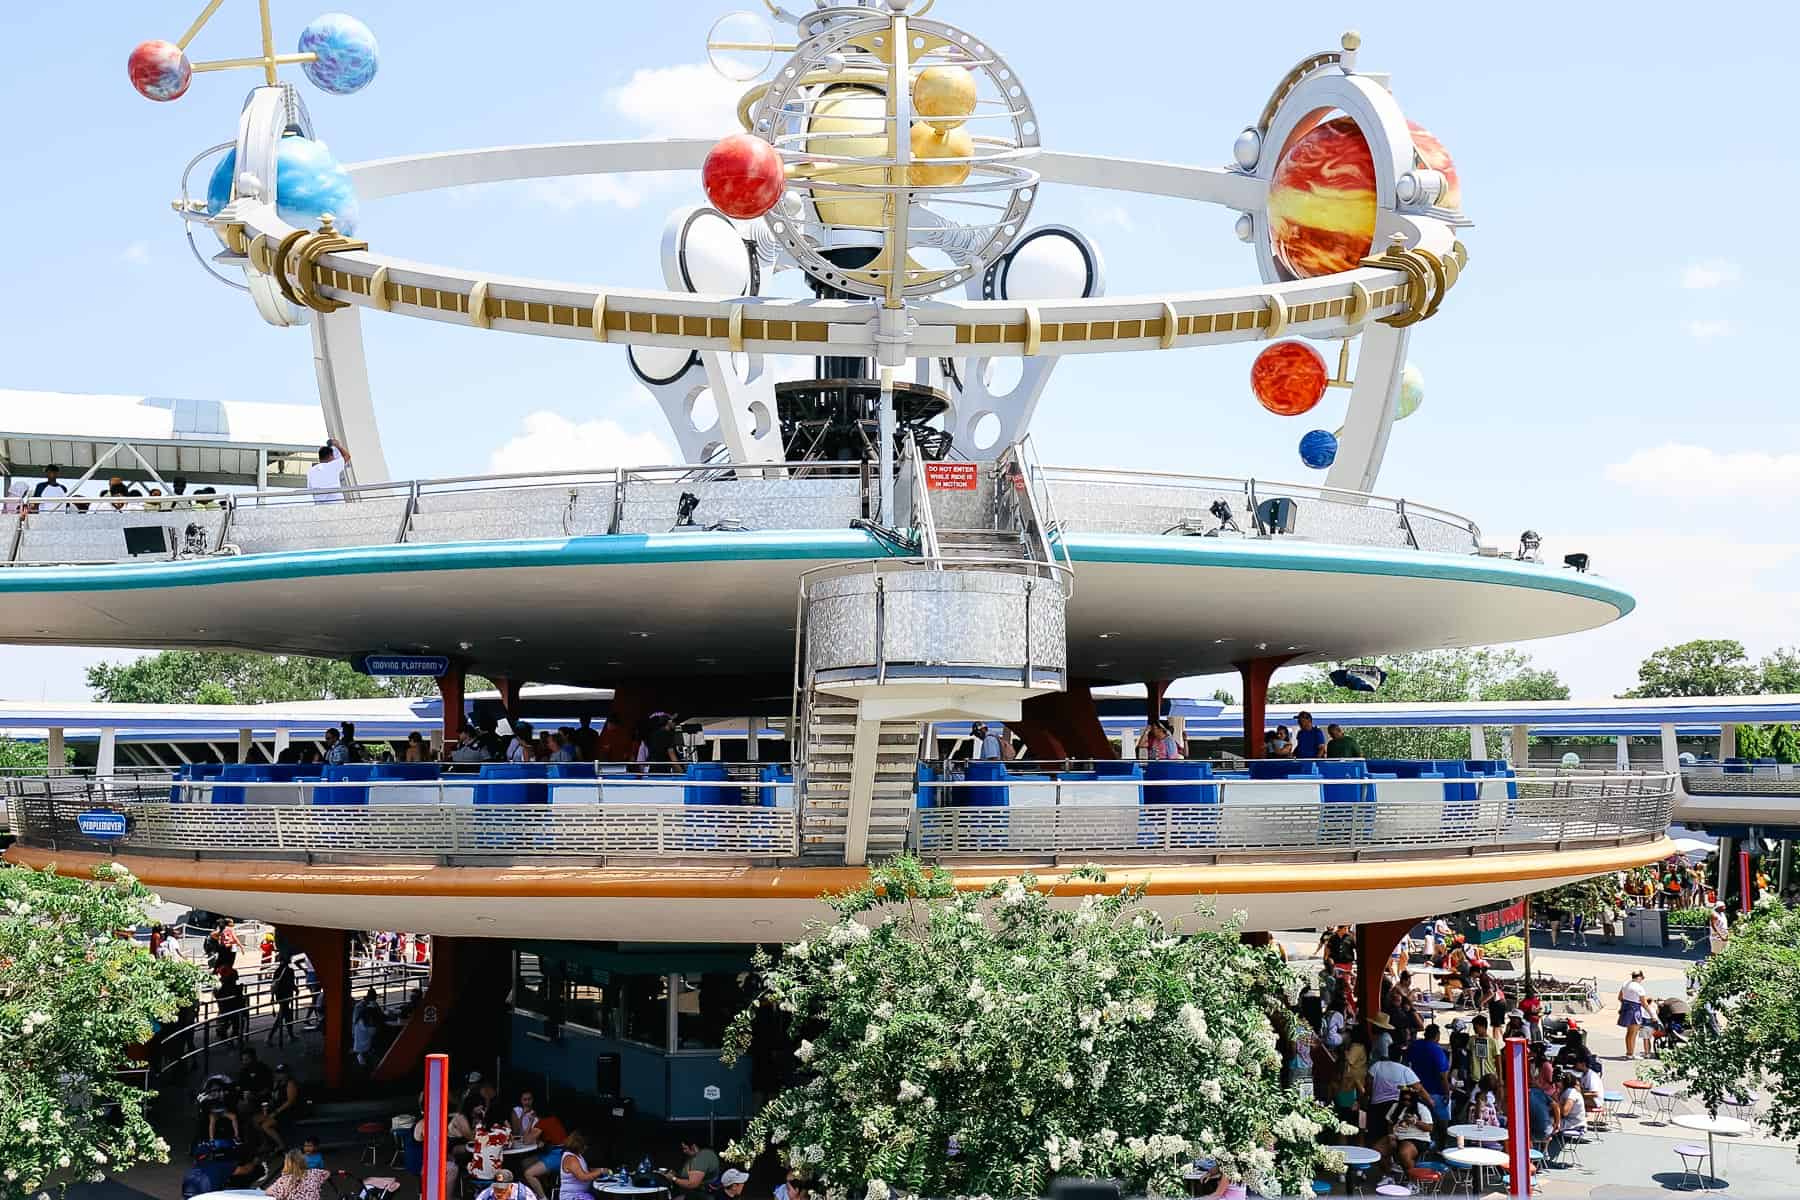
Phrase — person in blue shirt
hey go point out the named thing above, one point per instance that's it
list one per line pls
(1311, 740)
(1432, 1065)
(309, 1148)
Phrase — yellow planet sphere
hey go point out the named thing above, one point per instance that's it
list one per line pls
(946, 93)
(849, 122)
(929, 144)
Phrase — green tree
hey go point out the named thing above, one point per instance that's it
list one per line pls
(1779, 672)
(981, 1043)
(1430, 676)
(15, 755)
(1745, 1030)
(227, 677)
(73, 996)
(1585, 897)
(1703, 667)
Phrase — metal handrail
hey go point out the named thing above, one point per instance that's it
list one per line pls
(923, 518)
(1035, 479)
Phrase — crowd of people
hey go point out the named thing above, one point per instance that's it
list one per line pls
(1405, 1072)
(51, 493)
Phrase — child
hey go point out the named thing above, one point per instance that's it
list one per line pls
(315, 1161)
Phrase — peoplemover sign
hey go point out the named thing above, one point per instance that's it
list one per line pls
(103, 824)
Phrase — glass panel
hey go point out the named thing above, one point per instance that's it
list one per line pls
(705, 1006)
(529, 994)
(589, 1004)
(644, 1009)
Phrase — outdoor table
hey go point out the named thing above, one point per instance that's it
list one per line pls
(1637, 1088)
(1477, 1133)
(1358, 1158)
(518, 1148)
(1475, 1159)
(1702, 1123)
(1434, 1005)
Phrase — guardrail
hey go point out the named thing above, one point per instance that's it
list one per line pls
(1742, 779)
(646, 499)
(1041, 816)
(1223, 815)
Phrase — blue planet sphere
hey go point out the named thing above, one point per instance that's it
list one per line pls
(1318, 449)
(347, 54)
(308, 184)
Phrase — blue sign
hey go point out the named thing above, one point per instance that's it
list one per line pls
(103, 824)
(434, 665)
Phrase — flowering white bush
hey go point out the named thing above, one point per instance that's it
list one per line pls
(73, 996)
(982, 1043)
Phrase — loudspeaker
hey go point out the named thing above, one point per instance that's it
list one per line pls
(146, 539)
(1276, 515)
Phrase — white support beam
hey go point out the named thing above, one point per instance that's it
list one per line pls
(58, 753)
(1521, 746)
(344, 396)
(1727, 741)
(862, 789)
(282, 737)
(1477, 741)
(106, 758)
(1622, 752)
(246, 741)
(752, 735)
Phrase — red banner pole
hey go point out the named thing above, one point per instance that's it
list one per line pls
(1518, 1116)
(437, 1119)
(1744, 881)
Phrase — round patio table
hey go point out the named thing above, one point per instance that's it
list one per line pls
(1477, 1133)
(1638, 1090)
(1358, 1158)
(1477, 1160)
(1702, 1123)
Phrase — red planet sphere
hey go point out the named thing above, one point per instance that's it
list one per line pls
(743, 176)
(1288, 378)
(159, 70)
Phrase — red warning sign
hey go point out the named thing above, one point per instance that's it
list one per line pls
(951, 476)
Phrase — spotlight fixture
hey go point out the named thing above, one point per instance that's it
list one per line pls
(1221, 512)
(684, 510)
(1275, 515)
(1578, 561)
(1529, 541)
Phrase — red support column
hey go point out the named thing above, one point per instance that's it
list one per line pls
(1061, 725)
(1255, 673)
(508, 688)
(462, 1010)
(450, 691)
(1374, 942)
(1154, 690)
(329, 952)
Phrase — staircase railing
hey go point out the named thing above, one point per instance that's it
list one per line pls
(1015, 489)
(1043, 499)
(923, 520)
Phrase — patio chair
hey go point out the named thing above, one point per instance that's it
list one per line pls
(1691, 1157)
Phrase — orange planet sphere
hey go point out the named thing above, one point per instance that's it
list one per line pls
(1322, 201)
(1288, 378)
(1429, 152)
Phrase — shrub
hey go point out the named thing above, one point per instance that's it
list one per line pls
(983, 1043)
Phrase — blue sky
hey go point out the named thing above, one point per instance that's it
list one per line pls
(1609, 372)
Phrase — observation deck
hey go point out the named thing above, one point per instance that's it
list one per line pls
(621, 585)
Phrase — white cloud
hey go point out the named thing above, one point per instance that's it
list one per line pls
(1676, 467)
(1706, 330)
(551, 441)
(1115, 215)
(1711, 273)
(137, 254)
(689, 100)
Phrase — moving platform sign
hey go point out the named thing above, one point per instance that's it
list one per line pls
(434, 665)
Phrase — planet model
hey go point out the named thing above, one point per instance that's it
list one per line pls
(928, 144)
(1412, 392)
(308, 184)
(946, 93)
(1322, 201)
(743, 176)
(1288, 378)
(160, 71)
(849, 122)
(1318, 449)
(347, 54)
(1429, 152)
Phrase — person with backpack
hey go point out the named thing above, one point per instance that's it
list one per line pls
(284, 985)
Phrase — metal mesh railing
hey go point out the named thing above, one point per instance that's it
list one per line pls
(1742, 779)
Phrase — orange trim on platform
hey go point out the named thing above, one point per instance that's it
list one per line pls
(699, 882)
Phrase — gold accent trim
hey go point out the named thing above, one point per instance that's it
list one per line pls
(734, 329)
(232, 64)
(1289, 82)
(478, 314)
(1435, 265)
(597, 317)
(1034, 330)
(212, 6)
(1171, 326)
(1278, 314)
(233, 233)
(279, 262)
(378, 297)
(1358, 310)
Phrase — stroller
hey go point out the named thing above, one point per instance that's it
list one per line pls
(347, 1186)
(1672, 1017)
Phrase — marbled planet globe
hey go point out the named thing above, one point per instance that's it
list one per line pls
(308, 184)
(1322, 201)
(348, 55)
(1429, 152)
(1288, 378)
(159, 70)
